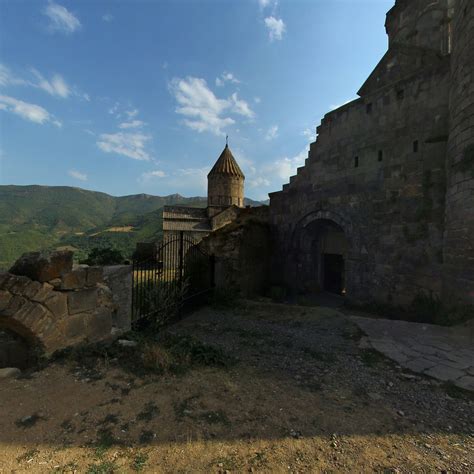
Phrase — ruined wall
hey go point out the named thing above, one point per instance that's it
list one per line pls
(242, 251)
(459, 237)
(377, 170)
(52, 305)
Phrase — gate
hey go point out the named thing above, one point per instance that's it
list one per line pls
(178, 277)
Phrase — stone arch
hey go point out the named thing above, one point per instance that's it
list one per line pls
(309, 256)
(29, 309)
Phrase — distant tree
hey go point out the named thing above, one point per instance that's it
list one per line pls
(104, 256)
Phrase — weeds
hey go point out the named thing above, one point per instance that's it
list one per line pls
(104, 467)
(149, 412)
(28, 455)
(139, 462)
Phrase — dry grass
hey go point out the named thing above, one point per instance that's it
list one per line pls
(246, 417)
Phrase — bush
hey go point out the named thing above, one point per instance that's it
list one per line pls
(104, 256)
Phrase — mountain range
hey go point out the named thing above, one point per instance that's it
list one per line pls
(46, 217)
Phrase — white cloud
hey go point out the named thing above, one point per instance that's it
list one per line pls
(241, 107)
(285, 167)
(8, 79)
(61, 19)
(132, 145)
(276, 27)
(77, 175)
(266, 3)
(152, 174)
(259, 182)
(56, 86)
(107, 17)
(257, 100)
(309, 134)
(203, 111)
(272, 133)
(200, 106)
(226, 77)
(132, 113)
(32, 112)
(132, 124)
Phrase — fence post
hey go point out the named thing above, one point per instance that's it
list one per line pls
(181, 259)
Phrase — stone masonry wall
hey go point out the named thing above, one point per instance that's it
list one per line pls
(377, 170)
(52, 305)
(459, 236)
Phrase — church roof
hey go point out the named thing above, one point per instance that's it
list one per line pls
(227, 165)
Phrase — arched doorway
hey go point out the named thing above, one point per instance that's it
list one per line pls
(15, 351)
(322, 256)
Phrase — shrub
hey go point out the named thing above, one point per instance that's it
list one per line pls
(104, 256)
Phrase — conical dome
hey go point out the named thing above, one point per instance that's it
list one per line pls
(226, 165)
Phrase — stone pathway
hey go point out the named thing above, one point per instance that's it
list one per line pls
(443, 353)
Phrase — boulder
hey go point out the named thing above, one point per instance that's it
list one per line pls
(9, 373)
(43, 266)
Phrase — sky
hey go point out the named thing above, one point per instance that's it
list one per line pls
(137, 96)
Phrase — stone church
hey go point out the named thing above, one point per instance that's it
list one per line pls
(225, 196)
(384, 206)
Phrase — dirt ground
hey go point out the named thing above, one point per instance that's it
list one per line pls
(299, 396)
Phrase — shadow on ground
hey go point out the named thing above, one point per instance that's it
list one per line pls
(294, 389)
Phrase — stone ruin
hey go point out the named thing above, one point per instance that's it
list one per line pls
(48, 304)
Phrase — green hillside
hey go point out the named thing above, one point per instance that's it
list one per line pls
(44, 217)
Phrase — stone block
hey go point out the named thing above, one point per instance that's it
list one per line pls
(43, 293)
(14, 306)
(57, 304)
(5, 298)
(99, 325)
(94, 275)
(31, 314)
(43, 266)
(74, 327)
(82, 300)
(9, 373)
(74, 280)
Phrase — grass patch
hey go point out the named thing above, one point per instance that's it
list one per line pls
(104, 467)
(371, 357)
(29, 421)
(105, 440)
(149, 412)
(457, 392)
(139, 462)
(28, 455)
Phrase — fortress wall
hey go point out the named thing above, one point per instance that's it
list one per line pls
(391, 210)
(421, 23)
(459, 236)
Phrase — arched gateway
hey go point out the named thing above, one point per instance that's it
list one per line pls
(320, 253)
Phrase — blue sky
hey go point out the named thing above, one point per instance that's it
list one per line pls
(128, 97)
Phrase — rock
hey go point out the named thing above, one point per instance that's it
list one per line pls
(43, 266)
(401, 413)
(9, 373)
(127, 343)
(74, 280)
(82, 300)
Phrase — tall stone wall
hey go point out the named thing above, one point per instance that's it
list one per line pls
(421, 23)
(377, 170)
(459, 236)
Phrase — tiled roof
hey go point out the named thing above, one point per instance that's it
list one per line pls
(227, 165)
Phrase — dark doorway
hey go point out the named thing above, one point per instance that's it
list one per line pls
(14, 351)
(333, 270)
